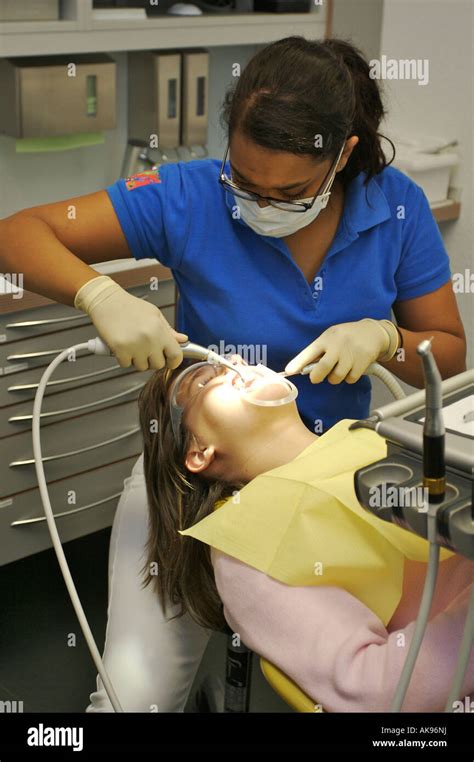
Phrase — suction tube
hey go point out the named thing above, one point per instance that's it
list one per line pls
(92, 345)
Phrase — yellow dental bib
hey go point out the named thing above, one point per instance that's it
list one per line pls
(302, 524)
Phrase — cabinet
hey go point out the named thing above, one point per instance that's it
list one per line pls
(90, 432)
(46, 96)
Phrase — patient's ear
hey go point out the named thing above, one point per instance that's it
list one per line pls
(199, 458)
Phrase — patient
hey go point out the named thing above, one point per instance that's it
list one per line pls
(328, 640)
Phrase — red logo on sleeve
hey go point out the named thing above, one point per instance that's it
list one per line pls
(148, 177)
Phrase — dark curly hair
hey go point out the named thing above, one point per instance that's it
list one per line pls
(296, 88)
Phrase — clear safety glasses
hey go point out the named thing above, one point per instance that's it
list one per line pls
(262, 387)
(185, 386)
(323, 191)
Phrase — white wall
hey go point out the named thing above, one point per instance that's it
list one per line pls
(360, 20)
(442, 32)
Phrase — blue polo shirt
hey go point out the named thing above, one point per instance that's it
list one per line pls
(243, 292)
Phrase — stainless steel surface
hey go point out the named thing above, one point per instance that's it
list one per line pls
(90, 437)
(42, 348)
(78, 451)
(434, 424)
(67, 403)
(40, 98)
(79, 435)
(194, 121)
(154, 97)
(47, 322)
(78, 408)
(62, 514)
(416, 400)
(92, 486)
(62, 381)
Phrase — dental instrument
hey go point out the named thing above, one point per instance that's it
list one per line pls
(202, 353)
(434, 472)
(374, 369)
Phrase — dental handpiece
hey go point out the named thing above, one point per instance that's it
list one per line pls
(198, 352)
(99, 347)
(434, 471)
(303, 372)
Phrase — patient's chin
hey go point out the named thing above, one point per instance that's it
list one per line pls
(267, 392)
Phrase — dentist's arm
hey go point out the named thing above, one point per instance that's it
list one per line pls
(436, 315)
(52, 246)
(344, 351)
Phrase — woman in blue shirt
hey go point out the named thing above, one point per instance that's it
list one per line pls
(302, 124)
(254, 275)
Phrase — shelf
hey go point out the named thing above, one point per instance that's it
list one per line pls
(87, 35)
(36, 27)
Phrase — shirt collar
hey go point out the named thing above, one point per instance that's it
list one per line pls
(361, 210)
(365, 205)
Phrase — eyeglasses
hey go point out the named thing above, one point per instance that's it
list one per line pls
(288, 206)
(196, 376)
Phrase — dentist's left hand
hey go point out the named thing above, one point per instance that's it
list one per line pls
(346, 350)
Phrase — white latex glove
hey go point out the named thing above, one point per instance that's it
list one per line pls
(135, 331)
(346, 350)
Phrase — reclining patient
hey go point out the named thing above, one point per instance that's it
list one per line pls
(254, 522)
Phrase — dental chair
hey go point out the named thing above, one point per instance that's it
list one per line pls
(234, 695)
(287, 689)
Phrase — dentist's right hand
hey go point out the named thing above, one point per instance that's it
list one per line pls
(135, 331)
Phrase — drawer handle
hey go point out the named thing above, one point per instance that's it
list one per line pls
(35, 355)
(119, 395)
(27, 387)
(53, 321)
(49, 321)
(22, 522)
(30, 461)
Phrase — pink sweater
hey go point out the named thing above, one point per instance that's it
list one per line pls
(336, 649)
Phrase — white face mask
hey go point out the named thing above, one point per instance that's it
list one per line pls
(269, 220)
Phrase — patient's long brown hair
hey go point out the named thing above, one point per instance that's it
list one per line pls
(179, 568)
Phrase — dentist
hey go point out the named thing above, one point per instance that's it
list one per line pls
(302, 240)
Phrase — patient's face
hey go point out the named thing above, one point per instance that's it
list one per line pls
(218, 402)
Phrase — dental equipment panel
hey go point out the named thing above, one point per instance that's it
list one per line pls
(430, 454)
